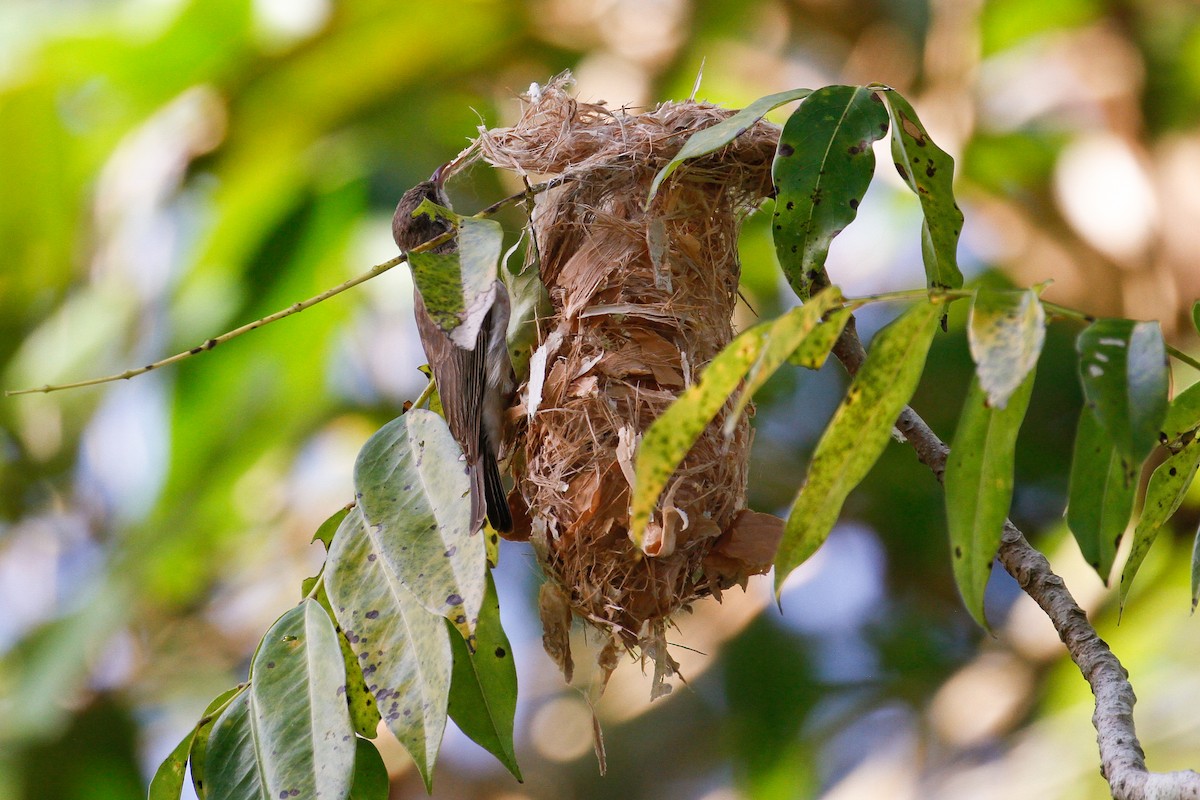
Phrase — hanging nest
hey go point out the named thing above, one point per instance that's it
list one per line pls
(641, 300)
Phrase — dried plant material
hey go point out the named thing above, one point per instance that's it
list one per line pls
(598, 742)
(746, 548)
(609, 658)
(653, 643)
(641, 300)
(555, 613)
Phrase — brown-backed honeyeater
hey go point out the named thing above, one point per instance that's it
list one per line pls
(475, 384)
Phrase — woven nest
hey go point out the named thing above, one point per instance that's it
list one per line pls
(641, 300)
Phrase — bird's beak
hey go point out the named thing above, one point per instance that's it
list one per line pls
(440, 174)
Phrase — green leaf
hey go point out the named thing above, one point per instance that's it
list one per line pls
(1123, 366)
(760, 350)
(413, 493)
(234, 756)
(717, 136)
(483, 691)
(364, 714)
(929, 172)
(1102, 488)
(290, 734)
(371, 780)
(1196, 315)
(203, 733)
(822, 168)
(1168, 485)
(1183, 415)
(979, 487)
(458, 287)
(1005, 332)
(402, 648)
(167, 783)
(324, 534)
(857, 434)
(1196, 572)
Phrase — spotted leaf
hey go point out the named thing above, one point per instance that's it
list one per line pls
(403, 650)
(822, 168)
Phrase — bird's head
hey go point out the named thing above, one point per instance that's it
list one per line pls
(410, 231)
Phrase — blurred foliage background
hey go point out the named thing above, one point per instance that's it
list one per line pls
(172, 169)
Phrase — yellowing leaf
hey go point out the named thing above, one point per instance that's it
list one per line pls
(857, 434)
(1166, 490)
(760, 351)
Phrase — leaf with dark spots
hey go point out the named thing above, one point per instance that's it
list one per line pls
(753, 357)
(858, 433)
(1168, 486)
(821, 163)
(1183, 418)
(934, 186)
(409, 657)
(291, 730)
(425, 535)
(483, 695)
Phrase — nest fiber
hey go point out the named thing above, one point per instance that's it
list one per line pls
(641, 300)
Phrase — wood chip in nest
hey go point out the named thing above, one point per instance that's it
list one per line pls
(642, 300)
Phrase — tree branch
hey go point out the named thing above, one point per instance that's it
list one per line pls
(1122, 761)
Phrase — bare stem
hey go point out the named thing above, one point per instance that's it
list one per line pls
(295, 308)
(1184, 357)
(1122, 762)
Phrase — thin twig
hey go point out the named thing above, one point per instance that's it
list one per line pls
(1184, 357)
(209, 344)
(1122, 762)
(295, 308)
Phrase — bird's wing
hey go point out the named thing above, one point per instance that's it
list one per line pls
(460, 375)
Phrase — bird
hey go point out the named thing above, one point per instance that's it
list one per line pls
(475, 384)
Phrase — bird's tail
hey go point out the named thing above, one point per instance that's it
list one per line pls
(493, 490)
